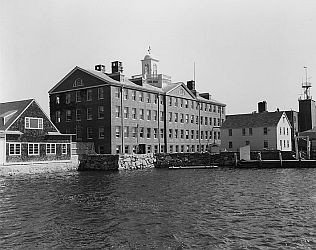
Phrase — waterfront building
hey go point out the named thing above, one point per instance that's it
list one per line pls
(28, 135)
(146, 113)
(262, 131)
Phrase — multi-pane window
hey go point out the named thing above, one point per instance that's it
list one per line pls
(117, 92)
(126, 149)
(265, 144)
(176, 117)
(215, 135)
(33, 123)
(33, 149)
(78, 96)
(64, 148)
(192, 118)
(170, 101)
(243, 131)
(148, 133)
(155, 133)
(100, 93)
(186, 103)
(170, 133)
(156, 99)
(126, 131)
(134, 95)
(197, 120)
(192, 134)
(89, 113)
(78, 114)
(176, 102)
(117, 131)
(141, 114)
(89, 133)
(125, 94)
(118, 149)
(181, 133)
(78, 132)
(206, 134)
(117, 111)
(218, 122)
(176, 133)
(161, 115)
(134, 115)
(50, 148)
(148, 114)
(89, 95)
(161, 133)
(181, 102)
(202, 134)
(187, 134)
(126, 113)
(134, 132)
(68, 98)
(170, 116)
(187, 118)
(141, 96)
(155, 115)
(57, 118)
(15, 149)
(214, 121)
(68, 115)
(201, 120)
(148, 99)
(205, 120)
(141, 132)
(100, 112)
(210, 120)
(265, 130)
(181, 118)
(197, 134)
(101, 132)
(230, 144)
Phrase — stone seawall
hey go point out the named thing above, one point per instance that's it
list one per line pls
(116, 162)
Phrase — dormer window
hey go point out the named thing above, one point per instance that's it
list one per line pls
(78, 82)
(33, 123)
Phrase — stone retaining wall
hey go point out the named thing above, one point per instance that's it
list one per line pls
(136, 161)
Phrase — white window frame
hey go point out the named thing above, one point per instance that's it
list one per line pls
(31, 152)
(64, 149)
(50, 148)
(28, 122)
(15, 147)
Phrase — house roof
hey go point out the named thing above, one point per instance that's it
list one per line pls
(12, 110)
(254, 120)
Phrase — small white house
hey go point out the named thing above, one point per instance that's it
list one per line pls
(264, 130)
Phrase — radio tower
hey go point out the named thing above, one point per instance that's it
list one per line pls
(306, 86)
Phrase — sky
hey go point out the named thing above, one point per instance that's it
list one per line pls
(245, 51)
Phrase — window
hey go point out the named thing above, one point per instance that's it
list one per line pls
(78, 96)
(78, 132)
(230, 144)
(78, 114)
(68, 98)
(176, 133)
(187, 118)
(170, 133)
(176, 102)
(250, 131)
(170, 101)
(117, 131)
(148, 99)
(243, 131)
(141, 114)
(89, 95)
(205, 107)
(126, 149)
(117, 92)
(202, 134)
(148, 133)
(215, 135)
(101, 149)
(148, 115)
(181, 133)
(155, 133)
(117, 111)
(33, 149)
(101, 132)
(230, 132)
(210, 120)
(57, 119)
(288, 143)
(33, 123)
(201, 106)
(192, 104)
(247, 142)
(283, 131)
(89, 133)
(14, 148)
(205, 120)
(161, 132)
(181, 102)
(89, 113)
(100, 112)
(57, 99)
(287, 131)
(186, 103)
(265, 144)
(218, 122)
(126, 113)
(141, 96)
(134, 114)
(182, 148)
(134, 149)
(68, 115)
(171, 148)
(177, 148)
(134, 132)
(181, 118)
(201, 120)
(192, 118)
(141, 132)
(265, 130)
(197, 120)
(125, 94)
(100, 93)
(170, 117)
(161, 115)
(126, 131)
(192, 134)
(134, 95)
(187, 134)
(50, 149)
(176, 117)
(197, 134)
(78, 82)
(64, 149)
(118, 149)
(156, 99)
(155, 115)
(280, 131)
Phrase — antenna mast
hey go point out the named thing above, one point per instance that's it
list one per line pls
(306, 86)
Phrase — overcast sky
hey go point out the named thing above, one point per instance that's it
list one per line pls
(245, 51)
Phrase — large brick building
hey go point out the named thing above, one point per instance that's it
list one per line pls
(147, 113)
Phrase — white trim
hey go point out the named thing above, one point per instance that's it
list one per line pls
(28, 148)
(64, 144)
(51, 151)
(14, 143)
(40, 122)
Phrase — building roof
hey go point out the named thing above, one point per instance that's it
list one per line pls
(254, 120)
(11, 111)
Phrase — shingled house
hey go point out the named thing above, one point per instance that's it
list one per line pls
(28, 135)
(263, 130)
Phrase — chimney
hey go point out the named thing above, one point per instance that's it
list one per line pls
(191, 85)
(117, 67)
(100, 68)
(262, 106)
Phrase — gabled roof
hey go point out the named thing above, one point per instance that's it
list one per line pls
(254, 120)
(15, 108)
